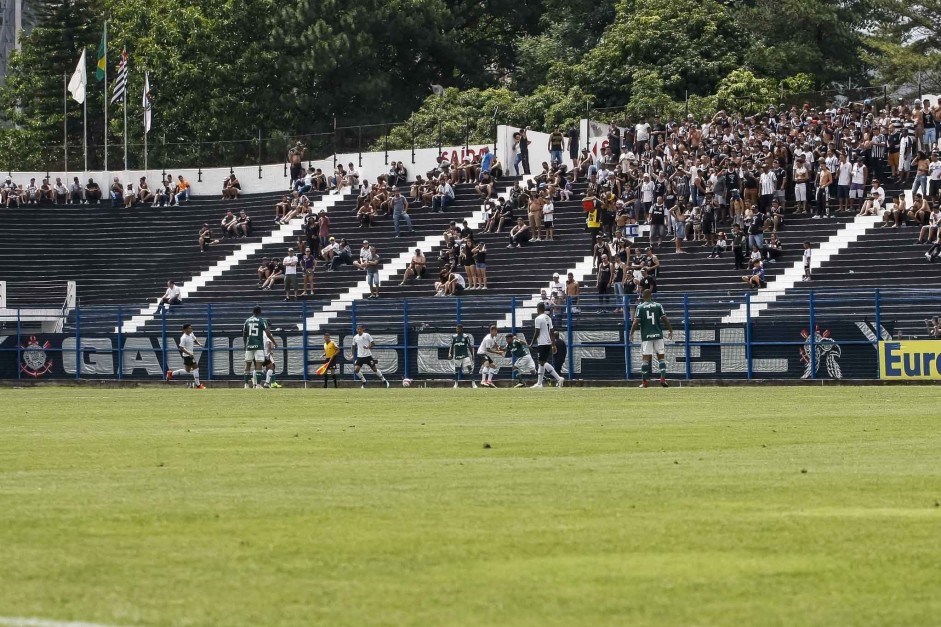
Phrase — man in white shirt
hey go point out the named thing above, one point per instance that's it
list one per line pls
(362, 346)
(647, 189)
(934, 178)
(641, 135)
(188, 344)
(290, 274)
(844, 178)
(542, 340)
(488, 351)
(556, 284)
(172, 296)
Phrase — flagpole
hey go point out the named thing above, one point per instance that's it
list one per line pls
(65, 122)
(125, 127)
(85, 130)
(106, 94)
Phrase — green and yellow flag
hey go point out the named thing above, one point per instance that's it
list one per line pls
(102, 70)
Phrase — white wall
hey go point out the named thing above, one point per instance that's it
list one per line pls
(272, 176)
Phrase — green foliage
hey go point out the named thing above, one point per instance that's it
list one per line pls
(743, 92)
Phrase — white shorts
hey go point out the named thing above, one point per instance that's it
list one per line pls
(525, 364)
(256, 356)
(465, 362)
(650, 347)
(800, 192)
(857, 192)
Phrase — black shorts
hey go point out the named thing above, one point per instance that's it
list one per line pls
(365, 361)
(485, 359)
(544, 353)
(189, 361)
(331, 363)
(458, 289)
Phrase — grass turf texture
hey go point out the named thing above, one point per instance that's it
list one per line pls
(703, 506)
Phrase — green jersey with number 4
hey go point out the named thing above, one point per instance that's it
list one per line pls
(254, 333)
(460, 346)
(518, 349)
(650, 315)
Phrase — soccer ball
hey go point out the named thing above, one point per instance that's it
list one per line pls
(406, 383)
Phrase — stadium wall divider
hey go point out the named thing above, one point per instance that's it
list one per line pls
(850, 330)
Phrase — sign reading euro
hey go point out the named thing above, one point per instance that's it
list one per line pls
(910, 360)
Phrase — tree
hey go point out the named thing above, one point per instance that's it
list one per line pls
(31, 97)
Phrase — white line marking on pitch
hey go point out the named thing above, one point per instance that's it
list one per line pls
(13, 621)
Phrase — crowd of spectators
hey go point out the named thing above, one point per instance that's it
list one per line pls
(167, 192)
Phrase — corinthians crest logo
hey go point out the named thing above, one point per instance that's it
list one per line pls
(826, 352)
(35, 363)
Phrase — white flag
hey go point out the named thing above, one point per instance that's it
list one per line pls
(78, 80)
(146, 102)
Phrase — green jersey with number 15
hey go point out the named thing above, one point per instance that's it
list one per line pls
(650, 315)
(254, 332)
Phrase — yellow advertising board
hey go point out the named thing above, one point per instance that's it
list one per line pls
(910, 360)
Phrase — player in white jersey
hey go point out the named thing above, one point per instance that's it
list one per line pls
(270, 365)
(542, 340)
(488, 351)
(188, 344)
(363, 345)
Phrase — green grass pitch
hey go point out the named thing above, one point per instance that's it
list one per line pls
(702, 506)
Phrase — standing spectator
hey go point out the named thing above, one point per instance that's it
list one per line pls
(480, 265)
(400, 211)
(824, 179)
(767, 184)
(844, 180)
(524, 148)
(290, 274)
(922, 168)
(370, 263)
(572, 135)
(308, 265)
(324, 220)
(559, 353)
(801, 180)
(657, 221)
(295, 156)
(858, 182)
(756, 236)
(739, 246)
(555, 145)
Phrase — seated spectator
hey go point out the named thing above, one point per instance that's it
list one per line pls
(182, 189)
(935, 251)
(519, 234)
(32, 193)
(774, 219)
(304, 183)
(934, 327)
(930, 230)
(352, 177)
(342, 257)
(117, 193)
(319, 181)
(336, 181)
(172, 296)
(366, 216)
(205, 238)
(722, 244)
(894, 213)
(496, 169)
(243, 225)
(275, 276)
(264, 270)
(918, 212)
(282, 208)
(144, 193)
(484, 185)
(756, 279)
(15, 196)
(873, 203)
(92, 192)
(61, 192)
(773, 249)
(455, 285)
(444, 196)
(231, 188)
(6, 189)
(505, 214)
(46, 192)
(130, 198)
(229, 223)
(75, 192)
(415, 269)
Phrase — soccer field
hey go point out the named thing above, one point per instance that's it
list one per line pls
(702, 506)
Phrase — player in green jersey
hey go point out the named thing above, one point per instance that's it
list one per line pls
(651, 319)
(523, 362)
(462, 347)
(253, 337)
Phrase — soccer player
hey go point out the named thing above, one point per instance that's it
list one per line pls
(330, 353)
(460, 354)
(187, 343)
(270, 365)
(363, 344)
(651, 319)
(489, 349)
(523, 361)
(542, 340)
(254, 331)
